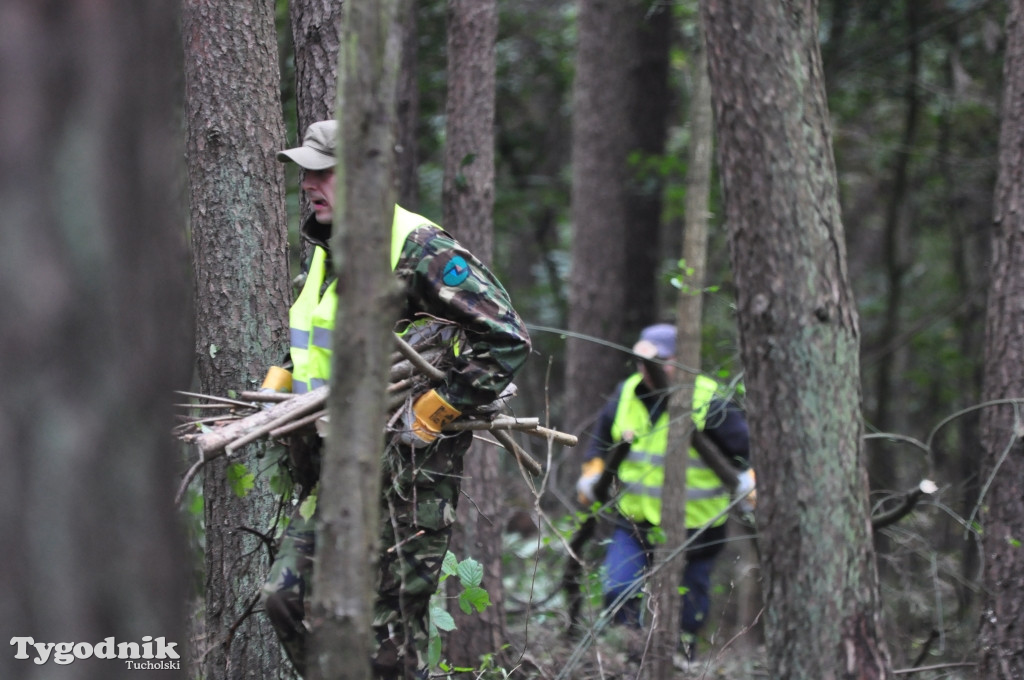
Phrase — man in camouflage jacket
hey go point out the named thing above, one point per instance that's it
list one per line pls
(422, 467)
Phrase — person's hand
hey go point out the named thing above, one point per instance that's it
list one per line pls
(591, 472)
(423, 421)
(746, 490)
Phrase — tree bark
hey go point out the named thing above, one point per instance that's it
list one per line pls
(408, 111)
(240, 263)
(315, 35)
(689, 310)
(468, 205)
(1001, 638)
(621, 72)
(799, 340)
(95, 328)
(347, 528)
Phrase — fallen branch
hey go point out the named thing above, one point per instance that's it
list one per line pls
(272, 415)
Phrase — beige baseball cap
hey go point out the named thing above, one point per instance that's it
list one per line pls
(317, 150)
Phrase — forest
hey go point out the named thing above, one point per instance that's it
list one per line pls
(822, 197)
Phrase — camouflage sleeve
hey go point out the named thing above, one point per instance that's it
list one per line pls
(444, 280)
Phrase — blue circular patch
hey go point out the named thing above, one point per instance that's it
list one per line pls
(456, 271)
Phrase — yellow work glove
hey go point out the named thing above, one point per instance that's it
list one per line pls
(277, 380)
(746, 489)
(590, 473)
(425, 419)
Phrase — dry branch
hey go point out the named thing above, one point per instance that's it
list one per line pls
(260, 415)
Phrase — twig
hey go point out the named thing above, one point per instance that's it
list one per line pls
(223, 400)
(499, 423)
(417, 360)
(298, 424)
(524, 459)
(267, 397)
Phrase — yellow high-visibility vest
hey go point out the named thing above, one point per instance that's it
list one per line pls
(643, 472)
(311, 317)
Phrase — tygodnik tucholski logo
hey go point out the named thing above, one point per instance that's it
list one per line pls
(150, 654)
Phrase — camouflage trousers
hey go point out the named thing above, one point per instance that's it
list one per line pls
(419, 493)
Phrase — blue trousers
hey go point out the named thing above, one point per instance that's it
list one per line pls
(625, 564)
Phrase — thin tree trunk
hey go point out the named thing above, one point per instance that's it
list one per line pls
(95, 329)
(468, 202)
(1001, 638)
(689, 311)
(348, 503)
(799, 340)
(239, 239)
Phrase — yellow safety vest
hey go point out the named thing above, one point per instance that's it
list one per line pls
(643, 472)
(311, 317)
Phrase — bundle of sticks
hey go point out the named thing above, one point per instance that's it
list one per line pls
(221, 426)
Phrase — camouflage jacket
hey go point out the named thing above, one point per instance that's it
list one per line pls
(443, 280)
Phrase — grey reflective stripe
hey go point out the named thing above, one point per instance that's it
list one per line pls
(705, 494)
(317, 382)
(659, 461)
(645, 457)
(299, 386)
(322, 337)
(638, 489)
(299, 338)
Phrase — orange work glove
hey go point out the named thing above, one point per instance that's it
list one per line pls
(590, 473)
(425, 419)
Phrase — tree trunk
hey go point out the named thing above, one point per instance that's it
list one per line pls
(689, 310)
(408, 111)
(349, 497)
(799, 340)
(315, 34)
(95, 329)
(239, 243)
(621, 75)
(1001, 638)
(468, 203)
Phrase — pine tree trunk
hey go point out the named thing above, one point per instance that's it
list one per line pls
(95, 329)
(799, 340)
(468, 201)
(621, 77)
(239, 244)
(1001, 638)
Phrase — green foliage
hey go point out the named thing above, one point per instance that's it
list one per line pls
(308, 506)
(472, 597)
(240, 479)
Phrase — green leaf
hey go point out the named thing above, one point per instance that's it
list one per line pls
(474, 598)
(450, 565)
(434, 648)
(471, 572)
(442, 619)
(308, 506)
(213, 351)
(240, 479)
(195, 506)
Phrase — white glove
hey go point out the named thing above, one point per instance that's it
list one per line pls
(585, 488)
(746, 488)
(589, 474)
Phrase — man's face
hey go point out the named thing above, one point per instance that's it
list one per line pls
(319, 188)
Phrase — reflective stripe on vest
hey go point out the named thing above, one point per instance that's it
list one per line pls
(311, 317)
(643, 472)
